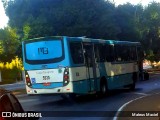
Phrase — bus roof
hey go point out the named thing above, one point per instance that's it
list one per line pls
(106, 41)
(84, 39)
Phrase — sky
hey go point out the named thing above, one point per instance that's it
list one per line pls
(4, 18)
(143, 2)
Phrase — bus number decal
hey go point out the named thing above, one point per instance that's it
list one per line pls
(46, 78)
(43, 50)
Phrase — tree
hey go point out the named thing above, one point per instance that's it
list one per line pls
(90, 18)
(127, 17)
(9, 44)
(63, 17)
(151, 21)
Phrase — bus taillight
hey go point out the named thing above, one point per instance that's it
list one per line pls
(66, 77)
(28, 81)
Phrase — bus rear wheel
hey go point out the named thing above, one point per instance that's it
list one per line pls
(134, 78)
(103, 88)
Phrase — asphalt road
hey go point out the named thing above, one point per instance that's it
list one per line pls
(14, 86)
(95, 107)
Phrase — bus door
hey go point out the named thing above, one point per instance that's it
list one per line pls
(91, 66)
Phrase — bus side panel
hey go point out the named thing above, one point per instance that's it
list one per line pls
(81, 82)
(102, 70)
(79, 79)
(125, 79)
(120, 74)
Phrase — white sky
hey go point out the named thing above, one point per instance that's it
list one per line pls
(143, 2)
(4, 19)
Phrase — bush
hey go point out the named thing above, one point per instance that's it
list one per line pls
(11, 72)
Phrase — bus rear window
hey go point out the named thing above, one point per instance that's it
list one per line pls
(43, 51)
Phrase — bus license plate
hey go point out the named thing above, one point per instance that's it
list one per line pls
(47, 84)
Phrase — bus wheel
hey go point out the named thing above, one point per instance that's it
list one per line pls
(103, 88)
(134, 78)
(133, 86)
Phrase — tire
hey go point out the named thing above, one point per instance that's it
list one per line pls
(133, 86)
(103, 88)
(134, 78)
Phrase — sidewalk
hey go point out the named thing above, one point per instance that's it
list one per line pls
(14, 86)
(143, 108)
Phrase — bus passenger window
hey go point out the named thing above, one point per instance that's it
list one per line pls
(102, 54)
(125, 53)
(96, 50)
(118, 53)
(76, 53)
(133, 55)
(109, 53)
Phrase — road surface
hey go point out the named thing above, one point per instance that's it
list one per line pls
(90, 104)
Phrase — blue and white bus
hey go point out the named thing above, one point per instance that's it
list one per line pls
(79, 65)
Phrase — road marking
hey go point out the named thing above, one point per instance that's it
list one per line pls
(144, 94)
(124, 105)
(140, 93)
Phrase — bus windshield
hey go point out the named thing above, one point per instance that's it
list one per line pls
(43, 51)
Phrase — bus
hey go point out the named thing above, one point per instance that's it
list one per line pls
(79, 65)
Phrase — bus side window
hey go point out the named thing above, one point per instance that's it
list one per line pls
(118, 53)
(102, 53)
(76, 53)
(109, 52)
(127, 55)
(96, 50)
(133, 55)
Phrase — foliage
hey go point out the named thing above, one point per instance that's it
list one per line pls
(90, 18)
(16, 63)
(11, 72)
(8, 44)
